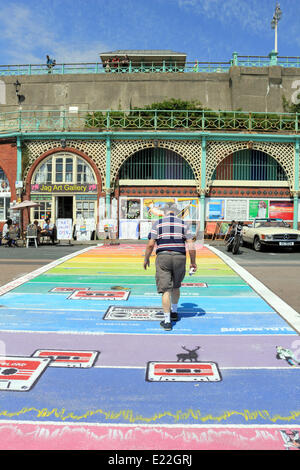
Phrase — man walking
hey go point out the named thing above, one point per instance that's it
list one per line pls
(171, 235)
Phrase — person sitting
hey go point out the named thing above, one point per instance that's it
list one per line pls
(5, 232)
(107, 65)
(125, 62)
(48, 230)
(38, 231)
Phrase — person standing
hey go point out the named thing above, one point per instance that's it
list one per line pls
(171, 235)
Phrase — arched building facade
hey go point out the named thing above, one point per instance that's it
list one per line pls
(127, 179)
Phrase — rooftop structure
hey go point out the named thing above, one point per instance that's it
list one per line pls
(155, 57)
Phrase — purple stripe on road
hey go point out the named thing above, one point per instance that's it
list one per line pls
(137, 350)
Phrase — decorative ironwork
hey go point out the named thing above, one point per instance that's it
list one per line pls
(96, 150)
(283, 153)
(190, 150)
(194, 120)
(197, 66)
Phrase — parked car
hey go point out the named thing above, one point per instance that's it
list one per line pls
(270, 232)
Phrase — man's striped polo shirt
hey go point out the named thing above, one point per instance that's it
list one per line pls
(170, 234)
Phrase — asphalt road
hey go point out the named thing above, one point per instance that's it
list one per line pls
(278, 269)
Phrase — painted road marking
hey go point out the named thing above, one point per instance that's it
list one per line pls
(231, 325)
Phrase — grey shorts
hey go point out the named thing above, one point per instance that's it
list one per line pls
(170, 270)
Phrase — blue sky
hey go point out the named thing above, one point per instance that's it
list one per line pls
(79, 30)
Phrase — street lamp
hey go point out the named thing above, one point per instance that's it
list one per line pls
(274, 23)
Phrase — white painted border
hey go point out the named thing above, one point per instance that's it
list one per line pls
(85, 424)
(27, 277)
(282, 308)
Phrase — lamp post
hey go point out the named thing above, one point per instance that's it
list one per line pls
(274, 23)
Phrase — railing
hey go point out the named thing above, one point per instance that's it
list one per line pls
(150, 67)
(147, 120)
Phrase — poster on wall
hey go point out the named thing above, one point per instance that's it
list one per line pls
(84, 228)
(101, 208)
(130, 208)
(145, 228)
(129, 230)
(154, 208)
(215, 209)
(258, 208)
(281, 210)
(114, 208)
(236, 209)
(188, 208)
(64, 229)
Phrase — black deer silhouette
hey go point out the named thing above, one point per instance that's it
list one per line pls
(191, 355)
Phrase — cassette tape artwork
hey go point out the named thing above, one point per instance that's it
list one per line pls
(187, 372)
(193, 284)
(21, 373)
(67, 290)
(99, 295)
(133, 313)
(59, 358)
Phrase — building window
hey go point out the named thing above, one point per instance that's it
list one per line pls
(63, 168)
(4, 207)
(249, 165)
(85, 209)
(156, 164)
(43, 211)
(4, 195)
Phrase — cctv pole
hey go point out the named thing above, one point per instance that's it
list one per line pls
(274, 24)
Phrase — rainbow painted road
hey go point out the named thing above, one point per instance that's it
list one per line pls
(84, 363)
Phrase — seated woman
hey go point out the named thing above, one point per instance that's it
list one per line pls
(5, 232)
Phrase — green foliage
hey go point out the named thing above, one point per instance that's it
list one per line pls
(180, 114)
(290, 107)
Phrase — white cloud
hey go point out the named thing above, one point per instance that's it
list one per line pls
(255, 15)
(30, 36)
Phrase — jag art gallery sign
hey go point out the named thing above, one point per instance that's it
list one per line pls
(64, 188)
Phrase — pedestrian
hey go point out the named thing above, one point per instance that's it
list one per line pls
(171, 235)
(6, 232)
(50, 63)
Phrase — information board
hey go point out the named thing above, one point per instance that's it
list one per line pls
(64, 229)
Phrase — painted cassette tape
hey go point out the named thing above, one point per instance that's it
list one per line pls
(60, 358)
(67, 290)
(193, 284)
(133, 313)
(187, 372)
(21, 373)
(99, 295)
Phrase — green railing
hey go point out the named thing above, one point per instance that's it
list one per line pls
(197, 66)
(151, 120)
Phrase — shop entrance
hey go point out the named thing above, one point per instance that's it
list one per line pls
(64, 207)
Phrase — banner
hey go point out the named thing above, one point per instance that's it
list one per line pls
(258, 208)
(281, 210)
(236, 209)
(64, 229)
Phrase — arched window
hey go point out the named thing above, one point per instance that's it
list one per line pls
(249, 165)
(63, 168)
(4, 183)
(156, 164)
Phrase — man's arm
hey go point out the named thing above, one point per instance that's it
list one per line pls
(148, 252)
(192, 253)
